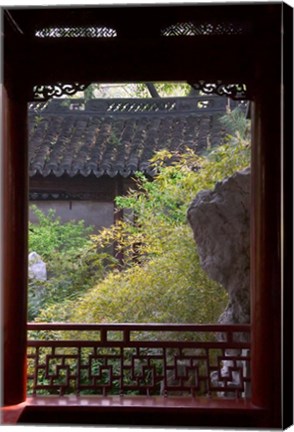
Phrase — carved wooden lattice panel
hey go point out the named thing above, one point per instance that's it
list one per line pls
(125, 359)
(76, 32)
(208, 28)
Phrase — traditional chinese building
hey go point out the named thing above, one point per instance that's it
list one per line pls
(81, 155)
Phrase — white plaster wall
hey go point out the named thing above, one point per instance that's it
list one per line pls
(99, 214)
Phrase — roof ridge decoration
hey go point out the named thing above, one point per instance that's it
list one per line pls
(133, 106)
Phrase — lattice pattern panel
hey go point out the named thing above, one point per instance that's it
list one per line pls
(205, 29)
(76, 32)
(121, 361)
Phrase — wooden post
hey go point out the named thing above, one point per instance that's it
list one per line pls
(266, 249)
(14, 246)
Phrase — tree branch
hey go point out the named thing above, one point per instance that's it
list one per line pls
(152, 90)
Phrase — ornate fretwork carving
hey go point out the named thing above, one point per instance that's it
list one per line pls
(205, 29)
(236, 91)
(45, 92)
(76, 32)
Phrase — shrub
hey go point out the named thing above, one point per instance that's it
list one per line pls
(160, 279)
(73, 265)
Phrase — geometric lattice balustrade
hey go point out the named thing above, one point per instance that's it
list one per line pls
(139, 359)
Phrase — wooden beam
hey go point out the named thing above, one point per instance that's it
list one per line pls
(143, 61)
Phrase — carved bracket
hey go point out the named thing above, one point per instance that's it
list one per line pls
(45, 92)
(235, 91)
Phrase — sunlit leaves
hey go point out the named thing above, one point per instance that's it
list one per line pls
(73, 262)
(159, 278)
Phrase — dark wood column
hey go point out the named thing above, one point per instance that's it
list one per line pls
(266, 244)
(14, 249)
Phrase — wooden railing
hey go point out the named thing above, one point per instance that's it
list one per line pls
(138, 359)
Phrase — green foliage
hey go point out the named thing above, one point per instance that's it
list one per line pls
(158, 290)
(236, 123)
(136, 90)
(161, 279)
(49, 236)
(72, 264)
(165, 89)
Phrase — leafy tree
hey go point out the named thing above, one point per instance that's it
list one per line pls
(72, 264)
(165, 89)
(139, 90)
(160, 278)
(236, 123)
(49, 236)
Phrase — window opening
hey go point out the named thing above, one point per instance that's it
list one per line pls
(112, 140)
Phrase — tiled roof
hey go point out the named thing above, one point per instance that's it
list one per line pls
(110, 137)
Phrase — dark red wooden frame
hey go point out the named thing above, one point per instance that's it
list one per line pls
(256, 59)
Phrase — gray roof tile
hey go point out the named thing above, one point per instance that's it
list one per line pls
(110, 137)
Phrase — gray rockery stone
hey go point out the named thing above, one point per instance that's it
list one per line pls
(37, 267)
(220, 221)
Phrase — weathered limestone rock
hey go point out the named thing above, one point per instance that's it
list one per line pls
(220, 221)
(221, 225)
(37, 267)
